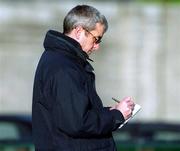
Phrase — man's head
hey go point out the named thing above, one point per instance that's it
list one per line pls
(86, 25)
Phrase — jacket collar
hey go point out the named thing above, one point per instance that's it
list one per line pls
(57, 41)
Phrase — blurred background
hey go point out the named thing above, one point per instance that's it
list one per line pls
(139, 55)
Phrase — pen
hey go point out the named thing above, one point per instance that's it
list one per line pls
(115, 100)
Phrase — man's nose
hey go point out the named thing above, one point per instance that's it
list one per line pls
(96, 46)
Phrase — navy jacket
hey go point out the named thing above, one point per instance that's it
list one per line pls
(67, 113)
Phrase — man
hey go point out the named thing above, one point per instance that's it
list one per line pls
(67, 113)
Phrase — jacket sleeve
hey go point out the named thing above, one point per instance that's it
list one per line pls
(73, 113)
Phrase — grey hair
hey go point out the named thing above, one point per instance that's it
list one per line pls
(84, 16)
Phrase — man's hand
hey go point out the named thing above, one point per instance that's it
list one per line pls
(125, 106)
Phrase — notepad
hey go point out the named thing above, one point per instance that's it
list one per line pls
(137, 108)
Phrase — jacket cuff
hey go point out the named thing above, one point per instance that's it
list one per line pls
(117, 116)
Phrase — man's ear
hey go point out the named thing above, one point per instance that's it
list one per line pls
(78, 32)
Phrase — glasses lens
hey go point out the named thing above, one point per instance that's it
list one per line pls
(98, 40)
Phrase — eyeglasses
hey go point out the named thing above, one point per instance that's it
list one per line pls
(97, 39)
